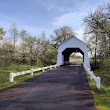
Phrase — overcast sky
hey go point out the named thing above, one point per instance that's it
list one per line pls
(39, 16)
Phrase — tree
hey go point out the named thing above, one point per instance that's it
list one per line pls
(23, 35)
(2, 33)
(14, 34)
(30, 43)
(61, 34)
(93, 29)
(97, 27)
(42, 47)
(90, 45)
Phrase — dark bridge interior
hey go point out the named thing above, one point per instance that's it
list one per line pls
(68, 51)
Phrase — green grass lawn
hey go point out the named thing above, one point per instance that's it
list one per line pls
(102, 96)
(5, 71)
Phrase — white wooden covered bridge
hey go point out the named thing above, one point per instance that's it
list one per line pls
(72, 44)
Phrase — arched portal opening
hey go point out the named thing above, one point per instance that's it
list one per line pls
(76, 57)
(67, 53)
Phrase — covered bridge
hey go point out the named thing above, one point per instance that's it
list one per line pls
(69, 46)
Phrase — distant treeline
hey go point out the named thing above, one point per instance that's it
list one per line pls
(19, 47)
(23, 48)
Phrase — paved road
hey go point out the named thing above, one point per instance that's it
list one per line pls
(65, 88)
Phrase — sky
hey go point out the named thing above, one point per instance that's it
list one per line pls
(37, 16)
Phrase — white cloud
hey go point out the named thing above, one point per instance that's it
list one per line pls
(72, 19)
(74, 16)
(56, 6)
(79, 33)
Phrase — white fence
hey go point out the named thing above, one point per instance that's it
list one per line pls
(92, 76)
(12, 75)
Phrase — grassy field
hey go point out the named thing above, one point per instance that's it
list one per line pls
(76, 60)
(4, 74)
(102, 96)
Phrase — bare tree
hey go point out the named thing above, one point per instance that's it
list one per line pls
(14, 34)
(97, 27)
(61, 34)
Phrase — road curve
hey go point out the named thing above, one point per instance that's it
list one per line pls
(64, 88)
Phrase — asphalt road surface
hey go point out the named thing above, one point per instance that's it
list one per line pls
(64, 88)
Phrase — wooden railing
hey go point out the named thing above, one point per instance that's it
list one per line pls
(92, 76)
(12, 75)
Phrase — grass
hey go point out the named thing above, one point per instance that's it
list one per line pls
(102, 96)
(76, 60)
(4, 75)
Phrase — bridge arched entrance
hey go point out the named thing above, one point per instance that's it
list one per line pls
(69, 46)
(68, 51)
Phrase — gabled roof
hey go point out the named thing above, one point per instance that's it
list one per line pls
(70, 38)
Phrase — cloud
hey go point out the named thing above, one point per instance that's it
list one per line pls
(79, 33)
(70, 18)
(49, 5)
(52, 6)
(56, 6)
(73, 16)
